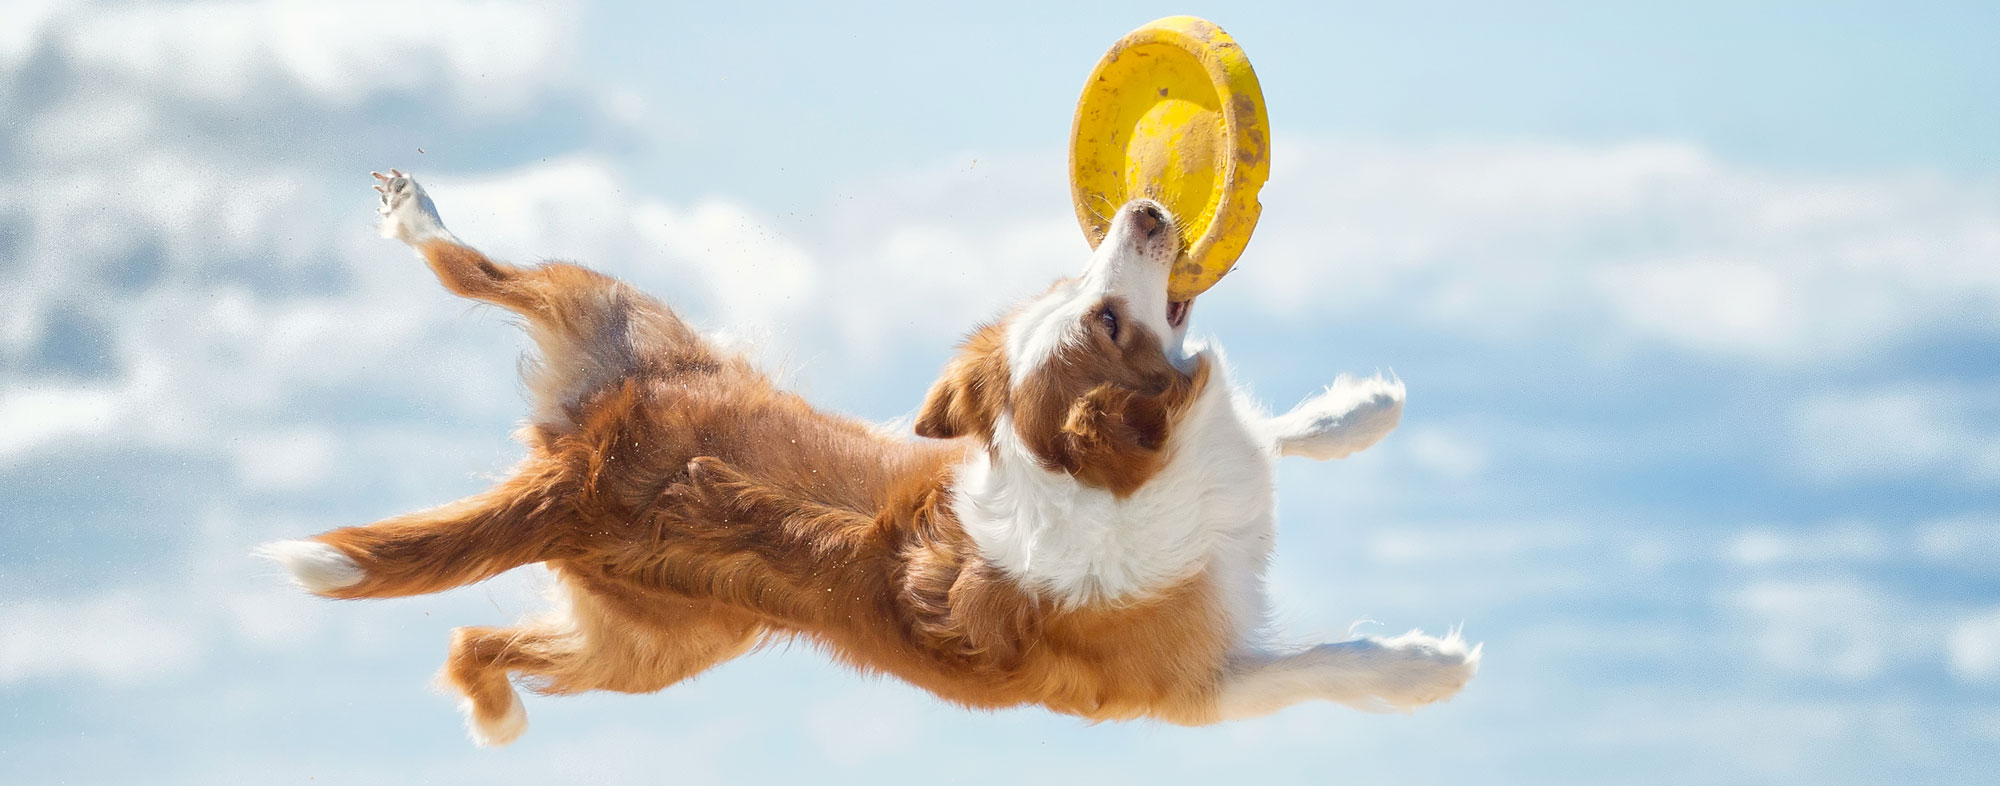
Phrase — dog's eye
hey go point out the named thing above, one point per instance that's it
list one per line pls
(1109, 319)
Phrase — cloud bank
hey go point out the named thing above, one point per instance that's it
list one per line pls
(204, 345)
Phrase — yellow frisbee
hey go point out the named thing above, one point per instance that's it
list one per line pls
(1173, 112)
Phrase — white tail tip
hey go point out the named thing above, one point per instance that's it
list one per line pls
(315, 566)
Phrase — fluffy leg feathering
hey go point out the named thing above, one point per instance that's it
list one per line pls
(1348, 417)
(1375, 674)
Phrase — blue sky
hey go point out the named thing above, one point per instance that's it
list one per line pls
(1699, 309)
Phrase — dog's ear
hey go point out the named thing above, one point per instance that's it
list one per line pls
(945, 413)
(1116, 437)
(1113, 438)
(968, 398)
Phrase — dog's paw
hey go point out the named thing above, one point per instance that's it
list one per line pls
(407, 212)
(1414, 669)
(1348, 417)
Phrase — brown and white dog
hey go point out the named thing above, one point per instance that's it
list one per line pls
(1085, 527)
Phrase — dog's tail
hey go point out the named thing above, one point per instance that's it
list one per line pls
(515, 523)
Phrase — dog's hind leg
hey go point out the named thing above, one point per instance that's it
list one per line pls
(522, 520)
(589, 645)
(765, 549)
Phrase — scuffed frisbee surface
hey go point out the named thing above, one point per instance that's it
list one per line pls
(1173, 112)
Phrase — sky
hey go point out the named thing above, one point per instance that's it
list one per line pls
(1698, 305)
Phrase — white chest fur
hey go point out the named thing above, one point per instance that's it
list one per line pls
(1209, 509)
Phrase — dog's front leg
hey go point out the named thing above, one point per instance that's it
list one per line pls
(1346, 418)
(1370, 673)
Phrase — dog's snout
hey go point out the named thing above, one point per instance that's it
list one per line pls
(1147, 218)
(1141, 231)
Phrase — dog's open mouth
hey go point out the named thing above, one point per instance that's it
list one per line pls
(1177, 313)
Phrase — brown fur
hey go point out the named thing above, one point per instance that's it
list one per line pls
(690, 510)
(1100, 409)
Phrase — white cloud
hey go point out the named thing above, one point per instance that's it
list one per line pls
(1974, 648)
(1580, 247)
(1934, 431)
(1653, 242)
(27, 20)
(199, 263)
(883, 720)
(291, 459)
(117, 638)
(1443, 452)
(1711, 306)
(724, 253)
(1828, 629)
(87, 126)
(268, 617)
(33, 417)
(1482, 542)
(1970, 540)
(907, 263)
(1843, 544)
(487, 56)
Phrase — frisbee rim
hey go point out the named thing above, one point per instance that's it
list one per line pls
(1244, 163)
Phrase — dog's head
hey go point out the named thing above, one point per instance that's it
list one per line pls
(1091, 376)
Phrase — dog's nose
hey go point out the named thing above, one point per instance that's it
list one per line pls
(1147, 218)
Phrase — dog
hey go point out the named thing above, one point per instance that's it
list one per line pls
(1083, 524)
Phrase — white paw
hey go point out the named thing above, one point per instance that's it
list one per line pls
(1348, 417)
(496, 732)
(1413, 669)
(407, 212)
(315, 566)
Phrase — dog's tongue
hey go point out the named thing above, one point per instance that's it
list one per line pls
(1177, 312)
